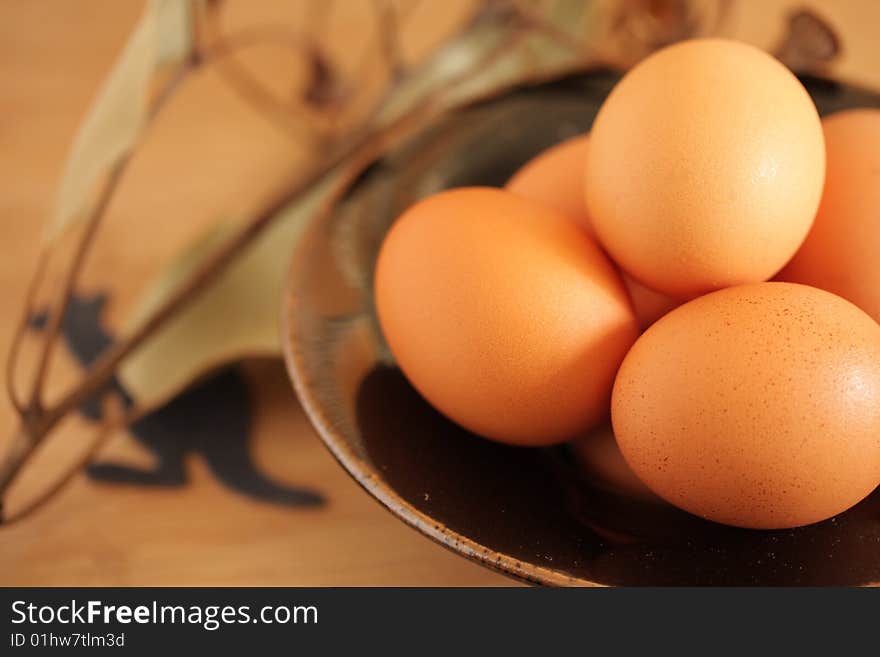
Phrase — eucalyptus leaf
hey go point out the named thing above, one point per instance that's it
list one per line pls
(118, 113)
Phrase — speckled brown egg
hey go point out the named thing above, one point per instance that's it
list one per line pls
(705, 168)
(841, 252)
(503, 314)
(756, 406)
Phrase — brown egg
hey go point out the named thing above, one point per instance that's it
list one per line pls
(555, 178)
(603, 465)
(841, 252)
(503, 314)
(756, 406)
(705, 168)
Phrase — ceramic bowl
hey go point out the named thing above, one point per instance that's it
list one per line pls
(525, 512)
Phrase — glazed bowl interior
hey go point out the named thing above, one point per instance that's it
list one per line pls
(525, 512)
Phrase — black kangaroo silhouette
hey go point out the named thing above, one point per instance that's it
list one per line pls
(212, 419)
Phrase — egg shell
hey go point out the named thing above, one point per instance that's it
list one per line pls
(554, 178)
(756, 406)
(705, 168)
(603, 465)
(841, 252)
(503, 314)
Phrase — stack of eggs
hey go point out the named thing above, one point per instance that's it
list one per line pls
(624, 274)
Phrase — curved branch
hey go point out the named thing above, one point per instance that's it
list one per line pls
(35, 399)
(56, 318)
(21, 328)
(117, 422)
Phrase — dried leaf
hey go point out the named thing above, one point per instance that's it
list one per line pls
(173, 31)
(116, 117)
(235, 317)
(498, 28)
(810, 43)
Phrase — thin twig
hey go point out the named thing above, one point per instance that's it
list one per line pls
(287, 116)
(220, 52)
(114, 422)
(305, 43)
(56, 318)
(21, 328)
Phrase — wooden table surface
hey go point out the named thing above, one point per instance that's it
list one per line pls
(169, 504)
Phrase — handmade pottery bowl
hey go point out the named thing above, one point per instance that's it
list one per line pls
(524, 512)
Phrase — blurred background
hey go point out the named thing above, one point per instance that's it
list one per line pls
(226, 483)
